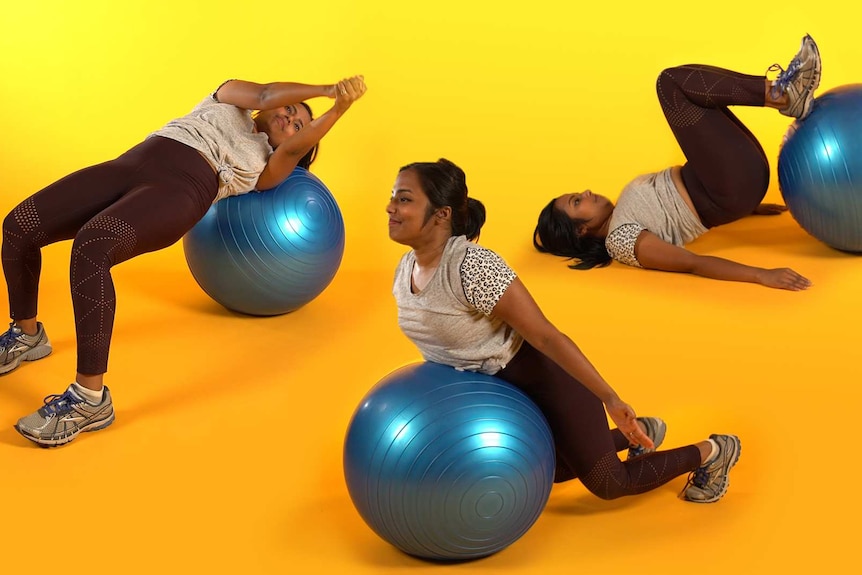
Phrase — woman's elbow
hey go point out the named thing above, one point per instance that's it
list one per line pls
(545, 339)
(264, 96)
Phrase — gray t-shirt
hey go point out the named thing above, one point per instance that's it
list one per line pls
(450, 320)
(650, 202)
(225, 135)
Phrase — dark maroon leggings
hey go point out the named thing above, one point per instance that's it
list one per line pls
(727, 172)
(586, 446)
(143, 201)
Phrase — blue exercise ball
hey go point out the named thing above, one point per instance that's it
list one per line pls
(447, 464)
(271, 252)
(820, 169)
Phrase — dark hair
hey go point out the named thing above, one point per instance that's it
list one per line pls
(445, 184)
(306, 160)
(557, 234)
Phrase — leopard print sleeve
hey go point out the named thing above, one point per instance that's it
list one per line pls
(485, 277)
(620, 243)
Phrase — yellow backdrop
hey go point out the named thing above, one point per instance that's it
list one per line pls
(226, 453)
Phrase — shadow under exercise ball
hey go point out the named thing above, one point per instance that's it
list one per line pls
(820, 169)
(271, 252)
(447, 464)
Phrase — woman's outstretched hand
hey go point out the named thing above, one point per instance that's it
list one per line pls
(625, 419)
(784, 278)
(347, 91)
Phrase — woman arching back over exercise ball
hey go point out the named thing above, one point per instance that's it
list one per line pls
(143, 201)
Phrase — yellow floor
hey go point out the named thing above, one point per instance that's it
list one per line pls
(226, 453)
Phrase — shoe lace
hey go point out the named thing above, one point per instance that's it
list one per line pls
(9, 337)
(699, 478)
(784, 77)
(59, 403)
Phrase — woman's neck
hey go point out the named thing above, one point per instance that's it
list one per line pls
(605, 227)
(428, 255)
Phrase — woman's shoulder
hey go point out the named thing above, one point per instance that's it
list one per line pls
(460, 248)
(481, 262)
(211, 105)
(206, 103)
(621, 241)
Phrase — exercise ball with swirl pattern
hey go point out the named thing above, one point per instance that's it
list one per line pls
(446, 464)
(271, 252)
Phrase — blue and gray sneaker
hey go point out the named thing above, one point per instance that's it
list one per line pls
(709, 482)
(16, 346)
(655, 430)
(799, 80)
(64, 416)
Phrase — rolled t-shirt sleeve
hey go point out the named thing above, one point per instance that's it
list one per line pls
(485, 277)
(621, 241)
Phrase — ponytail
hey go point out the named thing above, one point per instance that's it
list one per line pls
(475, 220)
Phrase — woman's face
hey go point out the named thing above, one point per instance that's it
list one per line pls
(586, 206)
(408, 209)
(281, 123)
